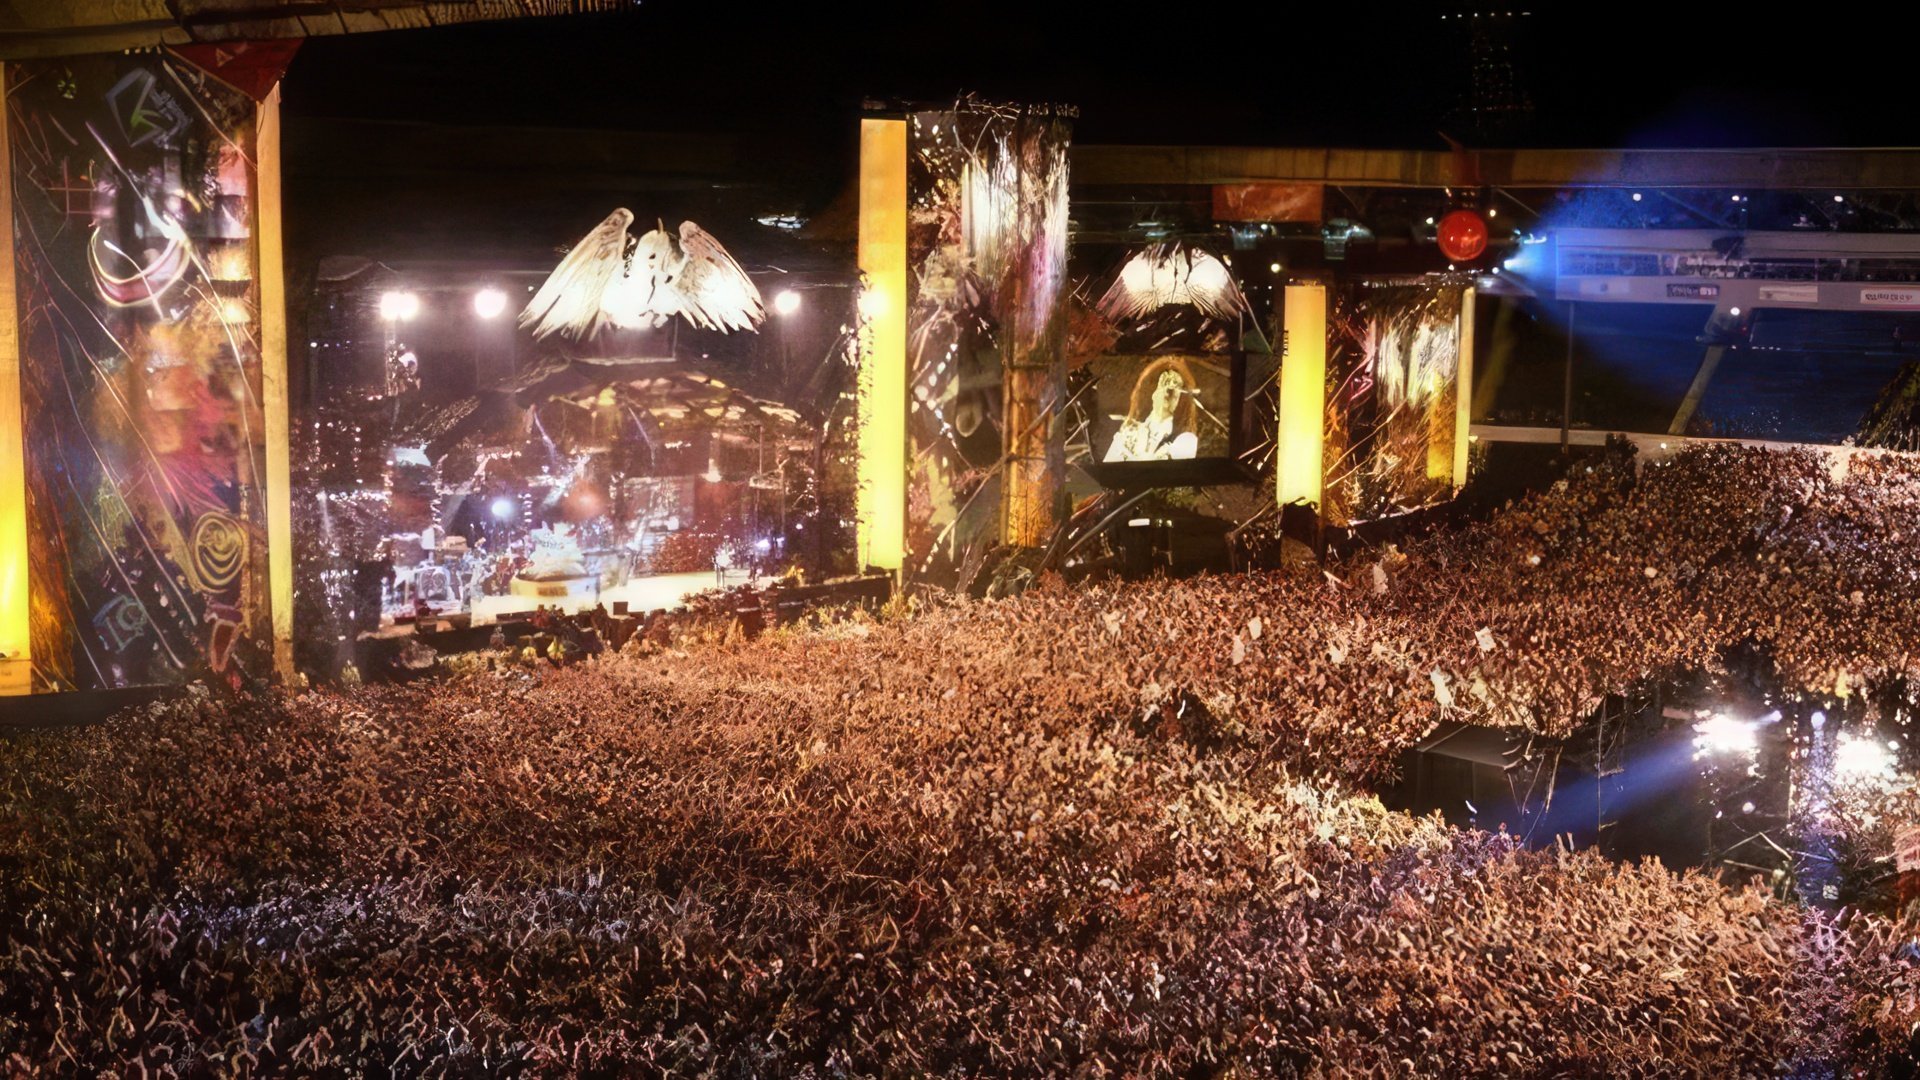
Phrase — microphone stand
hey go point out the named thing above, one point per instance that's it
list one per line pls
(1208, 413)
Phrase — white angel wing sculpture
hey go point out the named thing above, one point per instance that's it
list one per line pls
(695, 278)
(570, 300)
(609, 279)
(1166, 274)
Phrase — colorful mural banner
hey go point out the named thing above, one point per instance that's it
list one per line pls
(134, 185)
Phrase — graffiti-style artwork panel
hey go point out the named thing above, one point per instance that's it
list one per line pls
(1393, 368)
(133, 181)
(987, 259)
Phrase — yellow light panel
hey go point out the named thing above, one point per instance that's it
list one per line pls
(16, 663)
(1303, 389)
(1463, 392)
(273, 379)
(882, 502)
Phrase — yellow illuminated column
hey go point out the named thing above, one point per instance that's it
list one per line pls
(16, 664)
(1303, 391)
(882, 502)
(273, 379)
(1463, 392)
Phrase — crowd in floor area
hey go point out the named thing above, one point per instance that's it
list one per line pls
(1086, 831)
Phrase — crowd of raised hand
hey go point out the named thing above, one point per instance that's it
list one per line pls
(1099, 831)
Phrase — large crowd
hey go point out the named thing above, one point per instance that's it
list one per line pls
(1621, 574)
(1094, 831)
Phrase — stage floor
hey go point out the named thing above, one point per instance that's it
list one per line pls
(642, 594)
(671, 590)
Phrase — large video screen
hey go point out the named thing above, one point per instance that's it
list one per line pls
(1162, 408)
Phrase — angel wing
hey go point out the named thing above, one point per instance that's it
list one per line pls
(1168, 274)
(714, 292)
(573, 298)
(1210, 287)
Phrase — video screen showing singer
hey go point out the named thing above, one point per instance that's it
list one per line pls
(1160, 424)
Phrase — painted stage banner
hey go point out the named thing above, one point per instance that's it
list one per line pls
(1393, 368)
(987, 260)
(1279, 203)
(134, 186)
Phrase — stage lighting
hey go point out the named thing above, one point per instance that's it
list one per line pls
(503, 508)
(1839, 198)
(786, 302)
(489, 303)
(1636, 196)
(1860, 759)
(872, 304)
(399, 306)
(1722, 734)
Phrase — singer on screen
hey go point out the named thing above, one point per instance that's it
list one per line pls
(1160, 424)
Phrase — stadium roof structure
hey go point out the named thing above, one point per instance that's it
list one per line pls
(1756, 169)
(31, 29)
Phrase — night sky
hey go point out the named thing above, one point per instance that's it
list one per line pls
(1337, 74)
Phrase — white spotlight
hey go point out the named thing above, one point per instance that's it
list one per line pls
(399, 306)
(1860, 758)
(503, 508)
(1636, 196)
(786, 302)
(1722, 734)
(489, 303)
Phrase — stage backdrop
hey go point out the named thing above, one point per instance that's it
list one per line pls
(987, 260)
(1393, 367)
(134, 218)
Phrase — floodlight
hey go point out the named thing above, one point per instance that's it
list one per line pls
(1722, 734)
(399, 306)
(489, 303)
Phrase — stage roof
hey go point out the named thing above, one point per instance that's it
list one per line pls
(1871, 168)
(38, 28)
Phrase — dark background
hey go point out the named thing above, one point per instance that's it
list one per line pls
(1355, 74)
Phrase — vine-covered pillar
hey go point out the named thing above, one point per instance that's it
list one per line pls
(1036, 369)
